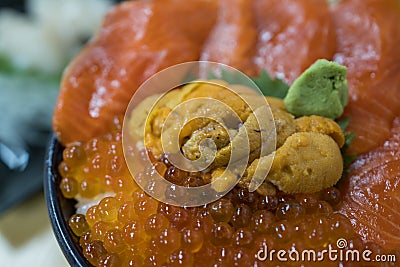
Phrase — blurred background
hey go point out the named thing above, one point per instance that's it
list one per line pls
(37, 40)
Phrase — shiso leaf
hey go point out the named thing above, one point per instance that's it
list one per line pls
(348, 138)
(268, 86)
(344, 123)
(271, 87)
(348, 160)
(231, 77)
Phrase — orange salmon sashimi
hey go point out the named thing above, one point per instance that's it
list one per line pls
(368, 44)
(371, 193)
(292, 35)
(233, 39)
(140, 38)
(137, 40)
(282, 37)
(368, 35)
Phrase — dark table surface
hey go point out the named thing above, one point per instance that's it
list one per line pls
(16, 186)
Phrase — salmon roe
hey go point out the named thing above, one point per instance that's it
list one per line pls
(129, 228)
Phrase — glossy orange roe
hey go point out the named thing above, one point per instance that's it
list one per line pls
(132, 229)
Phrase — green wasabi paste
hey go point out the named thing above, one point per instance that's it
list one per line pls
(321, 90)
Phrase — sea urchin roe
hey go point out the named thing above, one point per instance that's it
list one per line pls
(322, 125)
(227, 137)
(307, 162)
(285, 125)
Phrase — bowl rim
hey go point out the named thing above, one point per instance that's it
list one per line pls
(58, 218)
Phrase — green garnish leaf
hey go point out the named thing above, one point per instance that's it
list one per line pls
(228, 76)
(231, 77)
(347, 160)
(348, 138)
(344, 123)
(268, 86)
(189, 77)
(271, 87)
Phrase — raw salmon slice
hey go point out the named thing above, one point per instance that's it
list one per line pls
(372, 193)
(368, 35)
(292, 35)
(140, 38)
(137, 39)
(233, 39)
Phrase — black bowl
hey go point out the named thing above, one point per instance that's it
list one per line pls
(60, 209)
